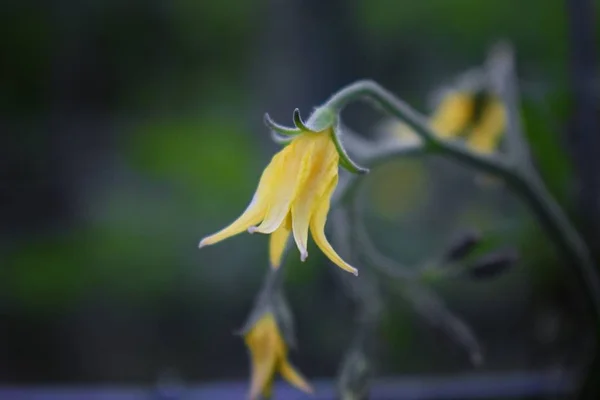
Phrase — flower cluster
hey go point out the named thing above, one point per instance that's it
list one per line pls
(476, 116)
(293, 197)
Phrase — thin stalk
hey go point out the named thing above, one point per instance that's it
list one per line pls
(526, 184)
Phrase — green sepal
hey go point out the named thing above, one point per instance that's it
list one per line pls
(299, 123)
(345, 160)
(280, 139)
(256, 314)
(285, 319)
(280, 129)
(277, 305)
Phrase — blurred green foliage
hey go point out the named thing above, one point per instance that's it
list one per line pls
(178, 80)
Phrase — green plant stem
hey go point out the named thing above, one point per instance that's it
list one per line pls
(525, 183)
(267, 297)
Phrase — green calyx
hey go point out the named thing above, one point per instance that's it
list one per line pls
(322, 119)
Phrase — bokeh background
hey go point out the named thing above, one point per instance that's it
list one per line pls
(130, 130)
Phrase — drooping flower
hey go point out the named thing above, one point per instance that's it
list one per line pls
(294, 193)
(268, 353)
(453, 114)
(488, 128)
(477, 117)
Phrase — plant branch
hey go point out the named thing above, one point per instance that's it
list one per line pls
(365, 290)
(377, 259)
(433, 309)
(525, 183)
(425, 302)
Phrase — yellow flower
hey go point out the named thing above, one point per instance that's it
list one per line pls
(481, 120)
(487, 131)
(293, 196)
(453, 114)
(268, 352)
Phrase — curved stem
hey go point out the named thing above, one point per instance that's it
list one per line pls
(434, 310)
(387, 266)
(365, 290)
(425, 302)
(525, 183)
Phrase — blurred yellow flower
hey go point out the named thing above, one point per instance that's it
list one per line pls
(293, 196)
(268, 352)
(487, 131)
(481, 120)
(453, 114)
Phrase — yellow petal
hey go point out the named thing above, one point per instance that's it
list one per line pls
(290, 374)
(486, 134)
(292, 170)
(267, 391)
(317, 228)
(255, 211)
(262, 342)
(278, 241)
(453, 114)
(322, 171)
(262, 377)
(253, 214)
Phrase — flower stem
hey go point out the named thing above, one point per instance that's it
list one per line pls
(525, 183)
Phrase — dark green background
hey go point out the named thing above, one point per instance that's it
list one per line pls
(133, 129)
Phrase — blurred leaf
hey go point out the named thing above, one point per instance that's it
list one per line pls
(469, 24)
(213, 158)
(48, 272)
(26, 39)
(229, 21)
(542, 125)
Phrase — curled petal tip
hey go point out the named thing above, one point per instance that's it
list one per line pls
(202, 243)
(303, 256)
(308, 389)
(252, 229)
(355, 272)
